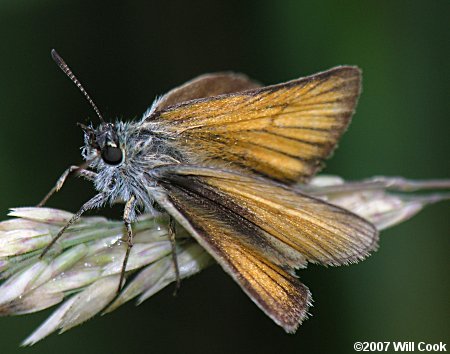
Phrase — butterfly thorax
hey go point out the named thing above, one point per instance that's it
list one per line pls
(122, 154)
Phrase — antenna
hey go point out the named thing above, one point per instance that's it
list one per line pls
(64, 67)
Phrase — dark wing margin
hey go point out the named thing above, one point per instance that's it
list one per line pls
(283, 131)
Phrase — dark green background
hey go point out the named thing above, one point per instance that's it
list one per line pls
(126, 53)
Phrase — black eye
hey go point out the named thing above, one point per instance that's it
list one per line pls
(112, 155)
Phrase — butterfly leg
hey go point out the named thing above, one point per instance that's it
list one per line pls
(79, 170)
(172, 234)
(95, 202)
(127, 218)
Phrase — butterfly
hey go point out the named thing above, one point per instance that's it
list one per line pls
(223, 156)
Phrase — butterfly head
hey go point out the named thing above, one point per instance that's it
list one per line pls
(105, 152)
(103, 142)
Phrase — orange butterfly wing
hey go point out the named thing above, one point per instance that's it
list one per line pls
(283, 131)
(259, 231)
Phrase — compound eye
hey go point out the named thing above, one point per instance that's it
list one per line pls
(112, 155)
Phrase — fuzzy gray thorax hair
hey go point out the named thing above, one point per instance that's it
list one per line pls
(142, 151)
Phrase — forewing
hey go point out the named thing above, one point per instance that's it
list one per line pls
(259, 231)
(283, 131)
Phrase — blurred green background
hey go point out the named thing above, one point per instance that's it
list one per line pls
(126, 53)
